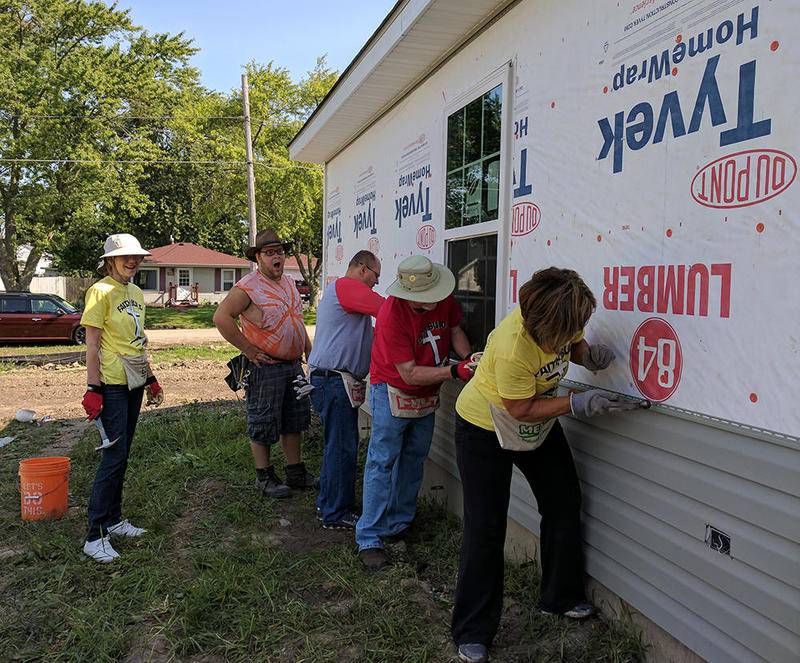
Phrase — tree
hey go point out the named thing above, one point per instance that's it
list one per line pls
(288, 194)
(77, 78)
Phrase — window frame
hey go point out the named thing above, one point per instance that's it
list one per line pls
(150, 269)
(232, 270)
(178, 271)
(503, 75)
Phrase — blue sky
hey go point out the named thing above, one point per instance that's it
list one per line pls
(291, 33)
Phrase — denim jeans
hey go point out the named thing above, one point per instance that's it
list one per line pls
(393, 472)
(120, 413)
(337, 493)
(485, 470)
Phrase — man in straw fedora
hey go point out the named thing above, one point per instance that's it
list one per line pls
(414, 332)
(273, 338)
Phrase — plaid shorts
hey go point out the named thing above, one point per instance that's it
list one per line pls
(272, 408)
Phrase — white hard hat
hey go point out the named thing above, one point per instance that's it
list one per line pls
(123, 244)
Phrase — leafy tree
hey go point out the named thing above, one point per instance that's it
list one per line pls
(288, 194)
(76, 77)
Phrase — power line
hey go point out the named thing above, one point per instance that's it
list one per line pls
(160, 118)
(215, 162)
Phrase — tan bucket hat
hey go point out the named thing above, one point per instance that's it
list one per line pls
(265, 238)
(420, 280)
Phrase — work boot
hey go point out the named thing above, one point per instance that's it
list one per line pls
(373, 559)
(270, 484)
(297, 476)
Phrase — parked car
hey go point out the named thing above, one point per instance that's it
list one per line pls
(303, 289)
(26, 316)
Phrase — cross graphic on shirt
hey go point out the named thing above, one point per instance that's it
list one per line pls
(431, 338)
(137, 322)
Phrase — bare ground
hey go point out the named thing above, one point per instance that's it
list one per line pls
(57, 391)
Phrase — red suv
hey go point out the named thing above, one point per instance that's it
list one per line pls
(32, 317)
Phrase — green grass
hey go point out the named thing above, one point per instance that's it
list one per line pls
(22, 350)
(196, 318)
(183, 352)
(218, 577)
(173, 318)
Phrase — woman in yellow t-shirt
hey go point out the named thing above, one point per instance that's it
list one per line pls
(506, 416)
(118, 374)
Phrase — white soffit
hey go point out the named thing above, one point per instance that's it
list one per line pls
(412, 41)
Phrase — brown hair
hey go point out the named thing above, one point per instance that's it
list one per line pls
(555, 304)
(363, 257)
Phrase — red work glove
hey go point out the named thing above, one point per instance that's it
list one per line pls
(155, 393)
(462, 371)
(93, 403)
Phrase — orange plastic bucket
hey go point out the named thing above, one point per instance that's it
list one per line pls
(43, 487)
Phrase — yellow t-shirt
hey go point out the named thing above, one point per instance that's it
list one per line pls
(513, 366)
(117, 309)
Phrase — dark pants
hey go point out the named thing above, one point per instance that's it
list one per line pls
(486, 480)
(120, 413)
(337, 480)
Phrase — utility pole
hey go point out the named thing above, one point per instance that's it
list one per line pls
(251, 180)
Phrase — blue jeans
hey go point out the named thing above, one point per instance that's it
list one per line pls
(393, 472)
(337, 492)
(119, 416)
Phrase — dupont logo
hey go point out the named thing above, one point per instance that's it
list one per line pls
(374, 245)
(426, 237)
(525, 218)
(744, 178)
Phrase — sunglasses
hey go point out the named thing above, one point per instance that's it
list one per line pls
(377, 274)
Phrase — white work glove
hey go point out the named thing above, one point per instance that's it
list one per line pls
(302, 387)
(598, 357)
(595, 402)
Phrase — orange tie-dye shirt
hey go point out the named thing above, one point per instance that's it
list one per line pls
(281, 332)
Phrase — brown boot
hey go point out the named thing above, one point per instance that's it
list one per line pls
(373, 559)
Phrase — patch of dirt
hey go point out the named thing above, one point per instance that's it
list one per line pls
(57, 391)
(198, 503)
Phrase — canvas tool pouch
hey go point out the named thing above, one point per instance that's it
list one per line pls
(406, 406)
(518, 435)
(135, 369)
(355, 389)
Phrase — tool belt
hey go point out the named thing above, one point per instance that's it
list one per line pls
(407, 406)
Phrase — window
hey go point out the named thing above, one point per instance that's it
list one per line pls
(147, 279)
(228, 279)
(184, 277)
(473, 161)
(474, 263)
(15, 305)
(44, 306)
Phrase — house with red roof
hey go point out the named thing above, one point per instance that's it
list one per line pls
(183, 273)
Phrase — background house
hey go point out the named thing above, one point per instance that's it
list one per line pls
(189, 274)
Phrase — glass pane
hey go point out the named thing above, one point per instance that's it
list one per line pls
(472, 131)
(491, 189)
(474, 263)
(183, 277)
(15, 305)
(43, 306)
(146, 279)
(455, 140)
(492, 107)
(454, 203)
(472, 194)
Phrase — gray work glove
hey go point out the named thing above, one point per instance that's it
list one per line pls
(598, 357)
(596, 402)
(302, 387)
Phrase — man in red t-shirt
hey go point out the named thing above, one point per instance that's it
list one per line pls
(414, 332)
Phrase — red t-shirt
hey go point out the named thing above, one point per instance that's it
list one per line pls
(402, 335)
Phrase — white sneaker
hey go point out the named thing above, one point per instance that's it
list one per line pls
(100, 550)
(124, 528)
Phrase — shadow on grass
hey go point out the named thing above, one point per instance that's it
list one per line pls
(225, 575)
